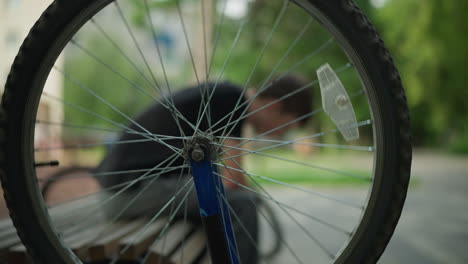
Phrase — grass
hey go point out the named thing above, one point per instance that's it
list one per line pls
(297, 175)
(292, 173)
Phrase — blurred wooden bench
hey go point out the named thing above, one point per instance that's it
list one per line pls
(180, 243)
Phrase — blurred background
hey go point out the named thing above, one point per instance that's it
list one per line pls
(428, 41)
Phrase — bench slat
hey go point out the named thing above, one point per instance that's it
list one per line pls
(72, 210)
(11, 240)
(8, 236)
(79, 242)
(190, 249)
(6, 233)
(108, 244)
(18, 254)
(174, 236)
(86, 243)
(139, 242)
(5, 224)
(205, 259)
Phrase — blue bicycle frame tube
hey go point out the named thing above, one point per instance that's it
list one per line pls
(214, 212)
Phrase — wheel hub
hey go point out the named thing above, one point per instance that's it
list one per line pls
(199, 148)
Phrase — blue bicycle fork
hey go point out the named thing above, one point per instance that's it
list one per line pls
(214, 209)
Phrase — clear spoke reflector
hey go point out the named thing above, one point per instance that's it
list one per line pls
(336, 102)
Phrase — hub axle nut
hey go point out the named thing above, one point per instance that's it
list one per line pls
(197, 153)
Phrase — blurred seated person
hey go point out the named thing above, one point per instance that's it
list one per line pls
(266, 113)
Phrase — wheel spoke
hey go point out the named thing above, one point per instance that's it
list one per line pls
(122, 184)
(259, 58)
(88, 90)
(78, 126)
(165, 228)
(122, 52)
(294, 142)
(104, 129)
(192, 59)
(126, 128)
(269, 221)
(104, 101)
(205, 57)
(171, 211)
(171, 160)
(312, 237)
(216, 40)
(323, 222)
(144, 91)
(163, 68)
(233, 213)
(126, 206)
(320, 134)
(135, 42)
(245, 114)
(171, 217)
(223, 68)
(261, 89)
(316, 111)
(100, 144)
(281, 205)
(185, 222)
(206, 105)
(231, 244)
(100, 174)
(293, 186)
(339, 172)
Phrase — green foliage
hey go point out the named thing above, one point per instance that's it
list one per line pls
(428, 40)
(138, 9)
(86, 73)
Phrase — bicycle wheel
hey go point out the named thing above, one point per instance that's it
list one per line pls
(338, 186)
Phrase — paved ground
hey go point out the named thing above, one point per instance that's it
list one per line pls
(434, 224)
(432, 229)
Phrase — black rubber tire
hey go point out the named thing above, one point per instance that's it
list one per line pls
(20, 101)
